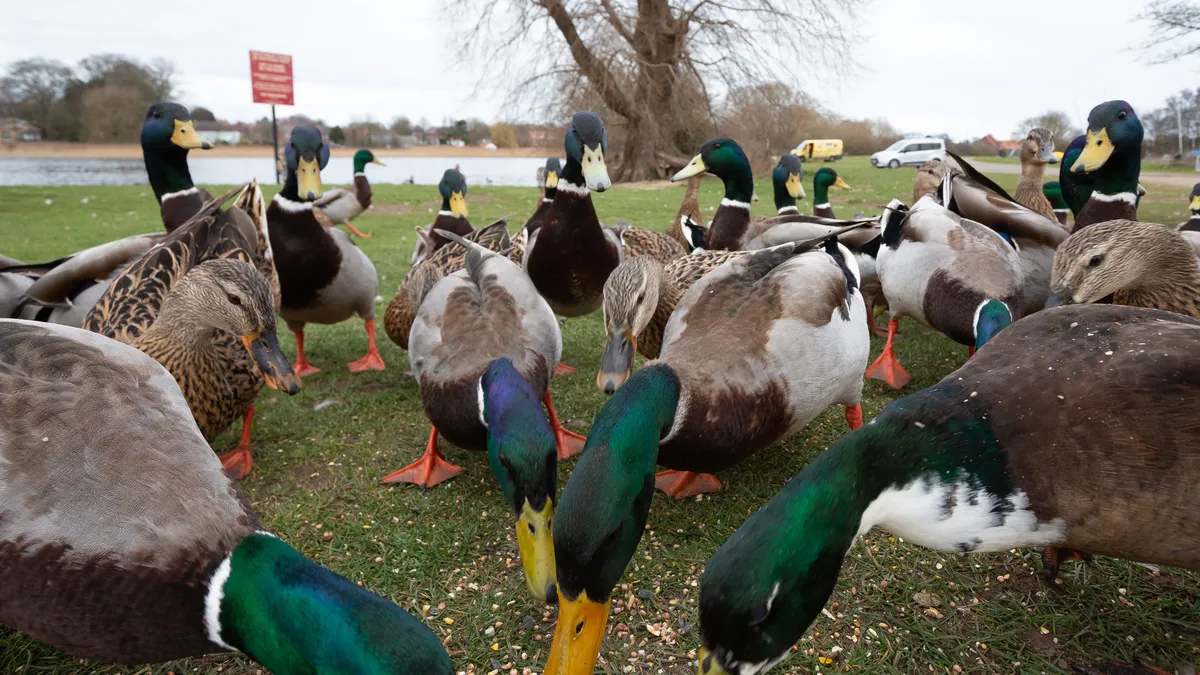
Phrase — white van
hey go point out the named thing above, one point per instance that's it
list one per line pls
(910, 152)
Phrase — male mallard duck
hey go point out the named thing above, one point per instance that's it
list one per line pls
(342, 205)
(688, 227)
(1192, 224)
(1052, 191)
(731, 225)
(788, 182)
(402, 310)
(1112, 160)
(324, 277)
(824, 179)
(127, 543)
(640, 242)
(998, 455)
(572, 257)
(197, 305)
(484, 347)
(1036, 236)
(702, 415)
(639, 298)
(452, 217)
(549, 188)
(168, 133)
(63, 291)
(940, 269)
(1037, 150)
(1139, 264)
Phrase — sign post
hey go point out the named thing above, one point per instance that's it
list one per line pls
(271, 82)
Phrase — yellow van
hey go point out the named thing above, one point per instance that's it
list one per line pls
(828, 149)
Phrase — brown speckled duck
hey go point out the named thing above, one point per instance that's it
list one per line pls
(197, 304)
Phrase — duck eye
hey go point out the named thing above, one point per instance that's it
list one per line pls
(235, 299)
(1096, 260)
(157, 114)
(1121, 115)
(717, 146)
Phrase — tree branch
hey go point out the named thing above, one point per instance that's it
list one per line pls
(600, 76)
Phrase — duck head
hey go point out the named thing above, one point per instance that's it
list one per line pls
(1195, 200)
(788, 181)
(991, 317)
(826, 178)
(1117, 255)
(586, 143)
(364, 157)
(725, 159)
(1038, 147)
(553, 170)
(170, 125)
(453, 188)
(630, 300)
(1114, 134)
(306, 153)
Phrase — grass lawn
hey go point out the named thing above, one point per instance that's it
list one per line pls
(449, 555)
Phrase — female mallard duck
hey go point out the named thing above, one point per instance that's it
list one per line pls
(1037, 150)
(603, 508)
(638, 242)
(824, 179)
(1112, 160)
(484, 347)
(342, 205)
(571, 257)
(787, 180)
(940, 269)
(125, 542)
(1192, 224)
(688, 227)
(323, 276)
(1052, 191)
(402, 310)
(168, 133)
(1139, 264)
(731, 225)
(197, 305)
(997, 455)
(1036, 236)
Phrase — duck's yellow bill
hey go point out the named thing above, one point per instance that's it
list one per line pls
(535, 538)
(577, 637)
(1095, 153)
(458, 204)
(308, 179)
(707, 664)
(694, 168)
(551, 180)
(839, 183)
(1195, 203)
(794, 187)
(185, 136)
(595, 171)
(375, 160)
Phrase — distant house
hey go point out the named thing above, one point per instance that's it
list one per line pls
(218, 133)
(1002, 148)
(541, 138)
(407, 141)
(381, 139)
(13, 130)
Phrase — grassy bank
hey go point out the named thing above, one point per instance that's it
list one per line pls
(449, 554)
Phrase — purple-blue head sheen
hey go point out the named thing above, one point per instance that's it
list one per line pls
(521, 445)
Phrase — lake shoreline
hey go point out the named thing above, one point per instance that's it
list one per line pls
(61, 150)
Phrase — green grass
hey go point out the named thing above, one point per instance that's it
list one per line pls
(1155, 167)
(449, 553)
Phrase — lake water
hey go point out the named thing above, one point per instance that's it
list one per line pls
(516, 171)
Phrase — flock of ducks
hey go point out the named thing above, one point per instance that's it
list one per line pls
(1067, 429)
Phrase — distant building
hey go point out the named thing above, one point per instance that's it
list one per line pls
(1002, 148)
(13, 130)
(218, 133)
(407, 141)
(541, 138)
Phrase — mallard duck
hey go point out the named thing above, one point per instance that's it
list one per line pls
(1037, 150)
(731, 225)
(342, 205)
(1036, 236)
(168, 133)
(129, 544)
(940, 268)
(324, 277)
(639, 298)
(571, 257)
(929, 178)
(1052, 191)
(824, 179)
(1112, 160)
(484, 348)
(1139, 264)
(639, 242)
(688, 227)
(402, 310)
(1192, 224)
(63, 291)
(197, 304)
(787, 180)
(549, 188)
(704, 418)
(1000, 454)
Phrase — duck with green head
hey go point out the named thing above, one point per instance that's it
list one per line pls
(997, 455)
(168, 133)
(824, 179)
(324, 278)
(731, 225)
(1112, 159)
(788, 182)
(549, 188)
(1053, 193)
(1192, 224)
(197, 574)
(572, 255)
(452, 217)
(343, 205)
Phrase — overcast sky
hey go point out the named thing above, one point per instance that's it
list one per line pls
(927, 65)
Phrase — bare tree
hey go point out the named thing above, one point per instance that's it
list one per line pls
(1057, 121)
(36, 88)
(632, 56)
(1176, 22)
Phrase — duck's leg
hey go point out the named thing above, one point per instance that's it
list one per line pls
(887, 367)
(684, 484)
(350, 226)
(372, 361)
(569, 442)
(854, 416)
(431, 469)
(239, 462)
(302, 367)
(1052, 558)
(563, 369)
(970, 351)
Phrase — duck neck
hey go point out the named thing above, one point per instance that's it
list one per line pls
(820, 194)
(360, 166)
(784, 202)
(571, 179)
(1119, 175)
(739, 187)
(520, 444)
(167, 169)
(1033, 173)
(637, 416)
(291, 187)
(548, 194)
